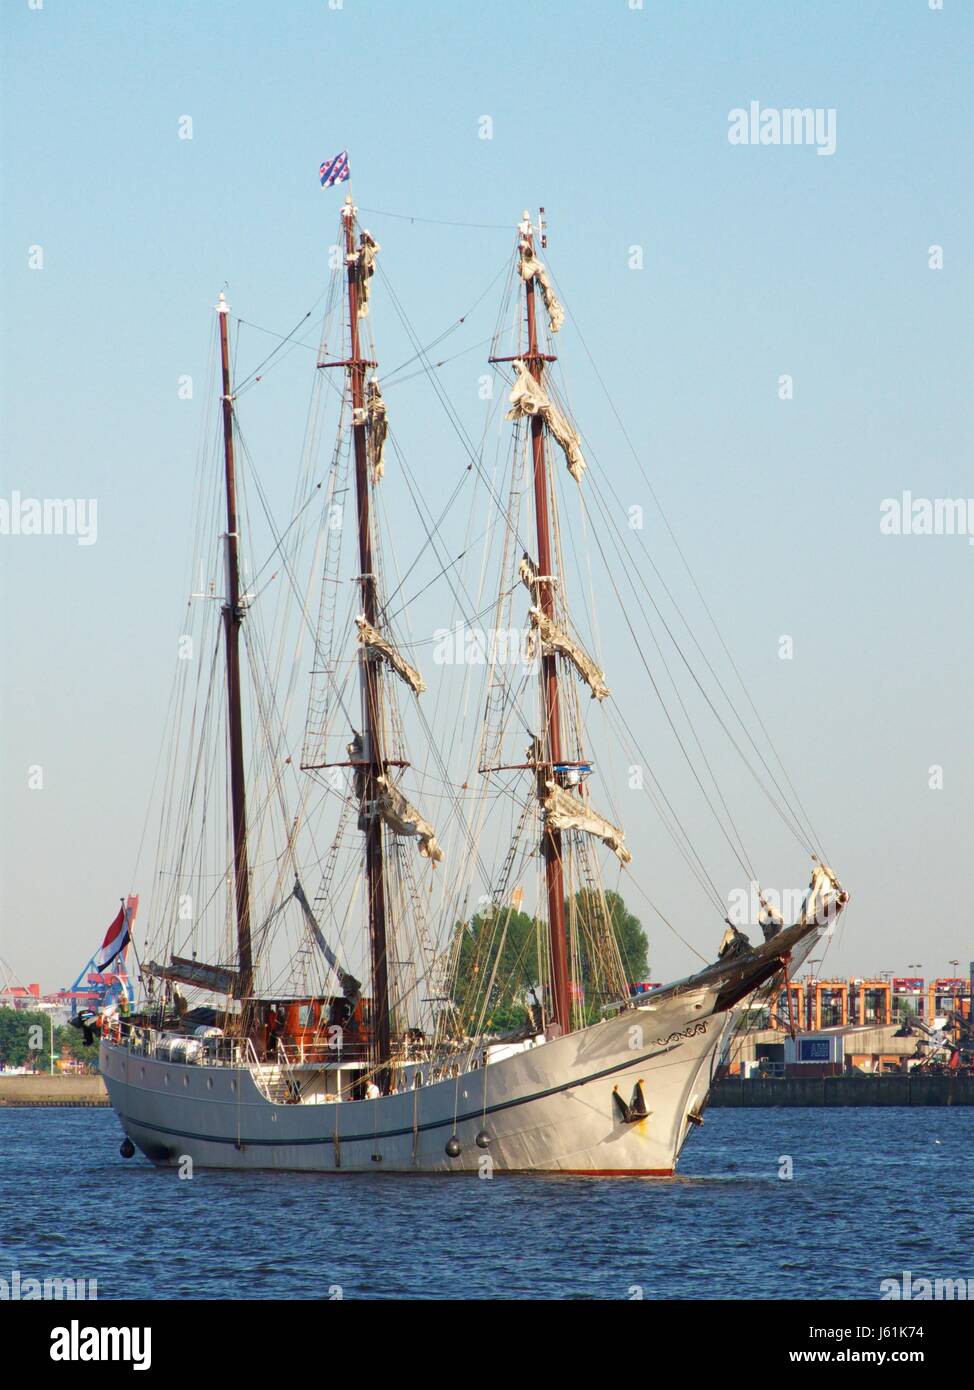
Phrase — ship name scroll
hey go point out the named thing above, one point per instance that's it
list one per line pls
(694, 1030)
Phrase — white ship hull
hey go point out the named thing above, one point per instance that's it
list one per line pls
(550, 1108)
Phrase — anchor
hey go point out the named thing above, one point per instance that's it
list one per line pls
(636, 1109)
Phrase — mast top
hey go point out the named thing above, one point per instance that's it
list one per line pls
(221, 306)
(528, 229)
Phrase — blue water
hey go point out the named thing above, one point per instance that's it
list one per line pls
(874, 1192)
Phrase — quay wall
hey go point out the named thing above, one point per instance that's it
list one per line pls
(52, 1090)
(888, 1089)
(906, 1089)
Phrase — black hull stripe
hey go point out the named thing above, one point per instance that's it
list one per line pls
(374, 1138)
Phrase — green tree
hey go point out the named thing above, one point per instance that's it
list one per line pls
(625, 927)
(508, 940)
(70, 1043)
(25, 1039)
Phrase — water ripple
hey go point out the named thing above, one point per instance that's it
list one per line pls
(869, 1196)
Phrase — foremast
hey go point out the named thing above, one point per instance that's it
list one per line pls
(232, 620)
(560, 784)
(372, 766)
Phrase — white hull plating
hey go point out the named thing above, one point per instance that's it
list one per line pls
(550, 1108)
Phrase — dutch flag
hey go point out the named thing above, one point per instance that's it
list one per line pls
(116, 939)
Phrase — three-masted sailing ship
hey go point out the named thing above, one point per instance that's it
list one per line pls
(470, 1038)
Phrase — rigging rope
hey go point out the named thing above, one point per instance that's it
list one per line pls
(437, 222)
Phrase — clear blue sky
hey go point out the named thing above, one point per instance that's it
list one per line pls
(759, 261)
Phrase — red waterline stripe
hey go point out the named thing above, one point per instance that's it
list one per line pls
(609, 1172)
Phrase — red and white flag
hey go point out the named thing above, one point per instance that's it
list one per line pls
(116, 939)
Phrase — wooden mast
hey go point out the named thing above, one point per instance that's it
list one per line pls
(371, 750)
(551, 739)
(232, 618)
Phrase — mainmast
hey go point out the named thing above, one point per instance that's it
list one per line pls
(232, 618)
(373, 766)
(551, 737)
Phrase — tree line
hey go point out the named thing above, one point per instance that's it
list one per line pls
(25, 1040)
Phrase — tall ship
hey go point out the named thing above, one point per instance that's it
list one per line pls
(333, 979)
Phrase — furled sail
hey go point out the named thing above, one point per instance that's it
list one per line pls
(220, 979)
(532, 269)
(733, 943)
(404, 819)
(376, 645)
(770, 919)
(528, 397)
(825, 898)
(375, 418)
(368, 249)
(351, 987)
(556, 639)
(529, 574)
(563, 811)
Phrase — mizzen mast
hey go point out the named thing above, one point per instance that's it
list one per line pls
(373, 767)
(232, 619)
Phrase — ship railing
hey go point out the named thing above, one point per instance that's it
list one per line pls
(291, 1083)
(235, 1052)
(330, 1054)
(276, 1080)
(257, 1071)
(212, 1052)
